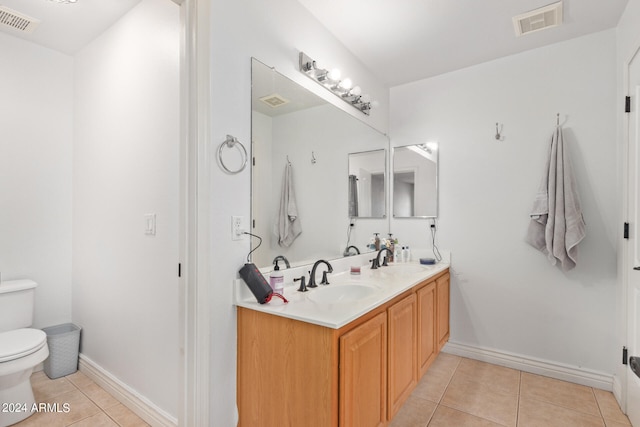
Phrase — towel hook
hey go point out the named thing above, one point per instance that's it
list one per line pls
(557, 119)
(498, 136)
(288, 161)
(230, 142)
(313, 158)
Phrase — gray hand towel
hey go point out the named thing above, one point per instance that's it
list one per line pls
(288, 222)
(557, 224)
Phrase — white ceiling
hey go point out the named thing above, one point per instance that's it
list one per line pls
(266, 81)
(68, 27)
(406, 40)
(399, 40)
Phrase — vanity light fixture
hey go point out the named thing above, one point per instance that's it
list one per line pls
(331, 79)
(433, 146)
(425, 150)
(64, 1)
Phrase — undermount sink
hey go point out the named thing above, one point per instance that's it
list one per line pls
(405, 268)
(340, 293)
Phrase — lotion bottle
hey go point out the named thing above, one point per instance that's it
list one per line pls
(276, 280)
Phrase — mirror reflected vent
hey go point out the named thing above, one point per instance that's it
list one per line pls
(17, 21)
(274, 100)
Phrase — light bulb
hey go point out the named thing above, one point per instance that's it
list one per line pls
(346, 83)
(334, 74)
(365, 98)
(356, 91)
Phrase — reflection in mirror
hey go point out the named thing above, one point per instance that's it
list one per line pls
(290, 126)
(415, 181)
(367, 178)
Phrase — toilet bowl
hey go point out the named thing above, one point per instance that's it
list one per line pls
(20, 351)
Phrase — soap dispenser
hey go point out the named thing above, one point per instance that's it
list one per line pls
(276, 280)
(376, 241)
(392, 248)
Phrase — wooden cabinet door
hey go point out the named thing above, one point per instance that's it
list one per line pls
(363, 374)
(402, 352)
(427, 321)
(442, 292)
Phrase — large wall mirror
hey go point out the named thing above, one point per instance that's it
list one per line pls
(415, 181)
(367, 184)
(302, 147)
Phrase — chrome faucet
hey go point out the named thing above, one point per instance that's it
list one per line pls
(312, 279)
(283, 258)
(384, 263)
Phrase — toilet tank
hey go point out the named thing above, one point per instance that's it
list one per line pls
(16, 304)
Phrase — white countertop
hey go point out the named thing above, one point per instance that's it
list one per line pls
(385, 284)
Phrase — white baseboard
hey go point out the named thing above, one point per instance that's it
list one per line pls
(532, 365)
(130, 398)
(618, 394)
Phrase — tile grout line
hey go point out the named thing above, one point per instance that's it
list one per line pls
(601, 405)
(94, 402)
(471, 380)
(85, 395)
(439, 403)
(593, 392)
(519, 396)
(77, 388)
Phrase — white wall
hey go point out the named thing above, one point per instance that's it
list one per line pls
(36, 116)
(421, 197)
(126, 153)
(273, 32)
(505, 295)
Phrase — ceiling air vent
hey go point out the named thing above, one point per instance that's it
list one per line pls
(539, 19)
(274, 100)
(17, 21)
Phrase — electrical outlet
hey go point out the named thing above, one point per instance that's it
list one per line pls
(237, 227)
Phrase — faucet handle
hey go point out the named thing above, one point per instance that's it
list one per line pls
(324, 280)
(303, 283)
(374, 263)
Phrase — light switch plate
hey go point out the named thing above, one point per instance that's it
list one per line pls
(150, 224)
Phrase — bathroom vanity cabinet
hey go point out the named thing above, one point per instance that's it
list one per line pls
(294, 373)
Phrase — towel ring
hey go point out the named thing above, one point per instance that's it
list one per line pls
(230, 142)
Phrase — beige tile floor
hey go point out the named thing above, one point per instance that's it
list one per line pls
(455, 392)
(460, 392)
(87, 404)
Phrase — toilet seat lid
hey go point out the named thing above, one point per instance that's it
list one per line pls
(20, 342)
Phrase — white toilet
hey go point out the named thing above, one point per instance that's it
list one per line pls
(21, 349)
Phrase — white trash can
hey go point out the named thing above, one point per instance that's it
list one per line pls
(64, 346)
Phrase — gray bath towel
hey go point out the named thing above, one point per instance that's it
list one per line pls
(288, 222)
(353, 196)
(557, 224)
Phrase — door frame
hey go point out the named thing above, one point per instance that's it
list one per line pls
(194, 185)
(620, 392)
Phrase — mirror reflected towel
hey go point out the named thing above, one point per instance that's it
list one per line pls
(353, 196)
(557, 224)
(288, 221)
